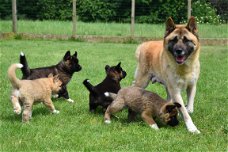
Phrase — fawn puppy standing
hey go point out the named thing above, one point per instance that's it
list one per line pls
(26, 92)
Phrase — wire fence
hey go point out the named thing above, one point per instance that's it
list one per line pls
(134, 12)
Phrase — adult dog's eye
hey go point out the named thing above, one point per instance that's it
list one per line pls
(185, 39)
(174, 39)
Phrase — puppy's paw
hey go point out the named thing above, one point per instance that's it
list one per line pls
(191, 127)
(55, 96)
(17, 111)
(154, 126)
(70, 100)
(107, 121)
(55, 112)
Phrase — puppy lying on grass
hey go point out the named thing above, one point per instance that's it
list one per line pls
(26, 92)
(144, 102)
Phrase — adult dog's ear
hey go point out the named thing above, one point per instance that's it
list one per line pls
(67, 56)
(170, 26)
(192, 26)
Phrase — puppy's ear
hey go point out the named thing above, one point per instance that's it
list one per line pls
(75, 54)
(107, 67)
(67, 56)
(50, 75)
(118, 65)
(177, 104)
(56, 79)
(170, 107)
(170, 26)
(192, 26)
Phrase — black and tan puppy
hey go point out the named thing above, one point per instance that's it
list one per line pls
(146, 103)
(64, 69)
(111, 83)
(174, 62)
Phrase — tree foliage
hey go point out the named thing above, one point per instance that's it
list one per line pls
(147, 11)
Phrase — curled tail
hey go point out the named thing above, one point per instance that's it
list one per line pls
(12, 75)
(111, 95)
(90, 87)
(25, 69)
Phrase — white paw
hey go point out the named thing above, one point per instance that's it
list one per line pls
(55, 111)
(70, 100)
(106, 94)
(154, 126)
(191, 127)
(107, 121)
(55, 96)
(17, 111)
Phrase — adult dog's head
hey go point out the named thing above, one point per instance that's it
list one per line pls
(181, 41)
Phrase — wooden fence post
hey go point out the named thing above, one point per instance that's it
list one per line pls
(74, 19)
(132, 18)
(14, 15)
(189, 8)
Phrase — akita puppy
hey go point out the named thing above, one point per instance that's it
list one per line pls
(26, 92)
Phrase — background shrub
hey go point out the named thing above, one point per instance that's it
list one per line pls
(205, 13)
(147, 11)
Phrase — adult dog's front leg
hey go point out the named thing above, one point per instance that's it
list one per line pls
(191, 92)
(176, 97)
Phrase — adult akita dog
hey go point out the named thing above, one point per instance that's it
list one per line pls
(174, 62)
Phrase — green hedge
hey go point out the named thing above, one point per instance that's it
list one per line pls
(147, 11)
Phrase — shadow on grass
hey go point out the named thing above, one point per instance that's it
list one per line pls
(39, 111)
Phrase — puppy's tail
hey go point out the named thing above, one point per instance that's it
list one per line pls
(12, 75)
(25, 69)
(111, 95)
(90, 87)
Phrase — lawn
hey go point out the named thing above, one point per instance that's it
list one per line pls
(106, 29)
(75, 129)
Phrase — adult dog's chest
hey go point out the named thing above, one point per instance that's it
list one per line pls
(180, 76)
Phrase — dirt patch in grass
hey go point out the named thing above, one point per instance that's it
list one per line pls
(95, 38)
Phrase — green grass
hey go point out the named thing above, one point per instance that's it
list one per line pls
(108, 29)
(75, 129)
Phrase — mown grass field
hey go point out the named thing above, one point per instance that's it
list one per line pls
(75, 129)
(106, 29)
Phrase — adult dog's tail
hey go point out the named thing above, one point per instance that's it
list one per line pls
(25, 69)
(90, 87)
(111, 95)
(12, 75)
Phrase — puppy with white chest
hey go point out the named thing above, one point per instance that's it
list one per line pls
(144, 102)
(26, 92)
